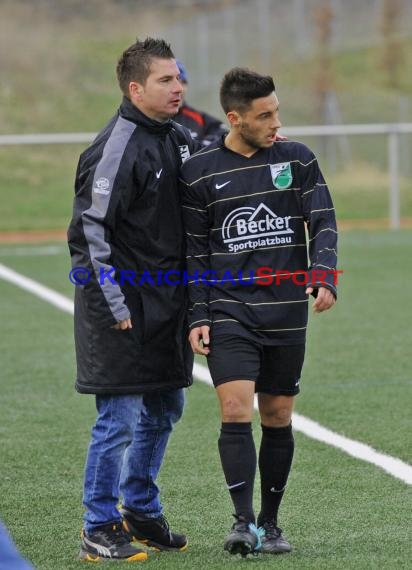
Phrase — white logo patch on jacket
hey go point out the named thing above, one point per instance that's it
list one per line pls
(102, 186)
(184, 151)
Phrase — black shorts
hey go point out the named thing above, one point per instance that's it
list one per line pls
(275, 369)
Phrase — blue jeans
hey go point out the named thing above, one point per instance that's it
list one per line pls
(126, 450)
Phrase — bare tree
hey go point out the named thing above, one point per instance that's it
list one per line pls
(324, 77)
(393, 56)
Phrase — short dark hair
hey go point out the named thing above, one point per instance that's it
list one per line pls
(240, 86)
(134, 63)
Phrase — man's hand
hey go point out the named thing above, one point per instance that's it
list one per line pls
(324, 301)
(123, 325)
(281, 137)
(200, 334)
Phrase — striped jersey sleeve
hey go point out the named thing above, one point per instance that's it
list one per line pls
(319, 215)
(196, 221)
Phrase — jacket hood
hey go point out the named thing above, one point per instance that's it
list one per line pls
(131, 113)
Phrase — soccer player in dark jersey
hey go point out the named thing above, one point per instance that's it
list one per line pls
(255, 209)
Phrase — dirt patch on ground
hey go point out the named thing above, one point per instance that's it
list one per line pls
(374, 224)
(41, 236)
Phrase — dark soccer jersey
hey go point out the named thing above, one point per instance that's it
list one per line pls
(247, 244)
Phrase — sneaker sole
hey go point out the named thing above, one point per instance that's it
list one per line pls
(243, 548)
(88, 557)
(150, 543)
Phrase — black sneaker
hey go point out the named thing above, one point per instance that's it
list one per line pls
(273, 542)
(154, 532)
(109, 541)
(243, 538)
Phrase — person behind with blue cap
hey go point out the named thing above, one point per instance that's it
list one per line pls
(203, 127)
(10, 557)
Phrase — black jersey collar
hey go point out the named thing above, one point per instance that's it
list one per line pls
(234, 153)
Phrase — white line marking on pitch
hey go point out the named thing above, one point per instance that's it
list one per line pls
(311, 429)
(45, 293)
(32, 251)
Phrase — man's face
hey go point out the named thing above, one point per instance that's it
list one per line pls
(161, 96)
(258, 125)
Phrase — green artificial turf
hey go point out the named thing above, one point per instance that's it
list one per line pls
(338, 512)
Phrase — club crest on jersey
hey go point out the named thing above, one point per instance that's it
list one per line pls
(281, 175)
(249, 228)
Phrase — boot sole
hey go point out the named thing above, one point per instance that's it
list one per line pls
(242, 547)
(151, 543)
(85, 556)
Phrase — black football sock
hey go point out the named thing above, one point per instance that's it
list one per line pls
(275, 461)
(238, 457)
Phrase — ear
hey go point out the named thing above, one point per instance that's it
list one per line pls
(234, 118)
(135, 91)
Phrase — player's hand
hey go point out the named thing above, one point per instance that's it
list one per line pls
(324, 300)
(197, 335)
(123, 325)
(281, 137)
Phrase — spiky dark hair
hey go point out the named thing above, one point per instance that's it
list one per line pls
(240, 86)
(134, 63)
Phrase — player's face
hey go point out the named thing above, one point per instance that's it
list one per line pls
(259, 124)
(161, 96)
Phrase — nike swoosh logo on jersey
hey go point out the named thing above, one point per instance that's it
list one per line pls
(219, 186)
(230, 487)
(274, 490)
(159, 173)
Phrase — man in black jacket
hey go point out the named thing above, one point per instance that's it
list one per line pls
(248, 201)
(130, 333)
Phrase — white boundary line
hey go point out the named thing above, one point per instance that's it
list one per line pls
(32, 251)
(311, 429)
(60, 301)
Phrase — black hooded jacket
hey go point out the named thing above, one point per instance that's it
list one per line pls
(126, 224)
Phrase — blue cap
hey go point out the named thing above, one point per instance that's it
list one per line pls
(182, 71)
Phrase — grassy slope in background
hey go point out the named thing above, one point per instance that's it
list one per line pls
(77, 91)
